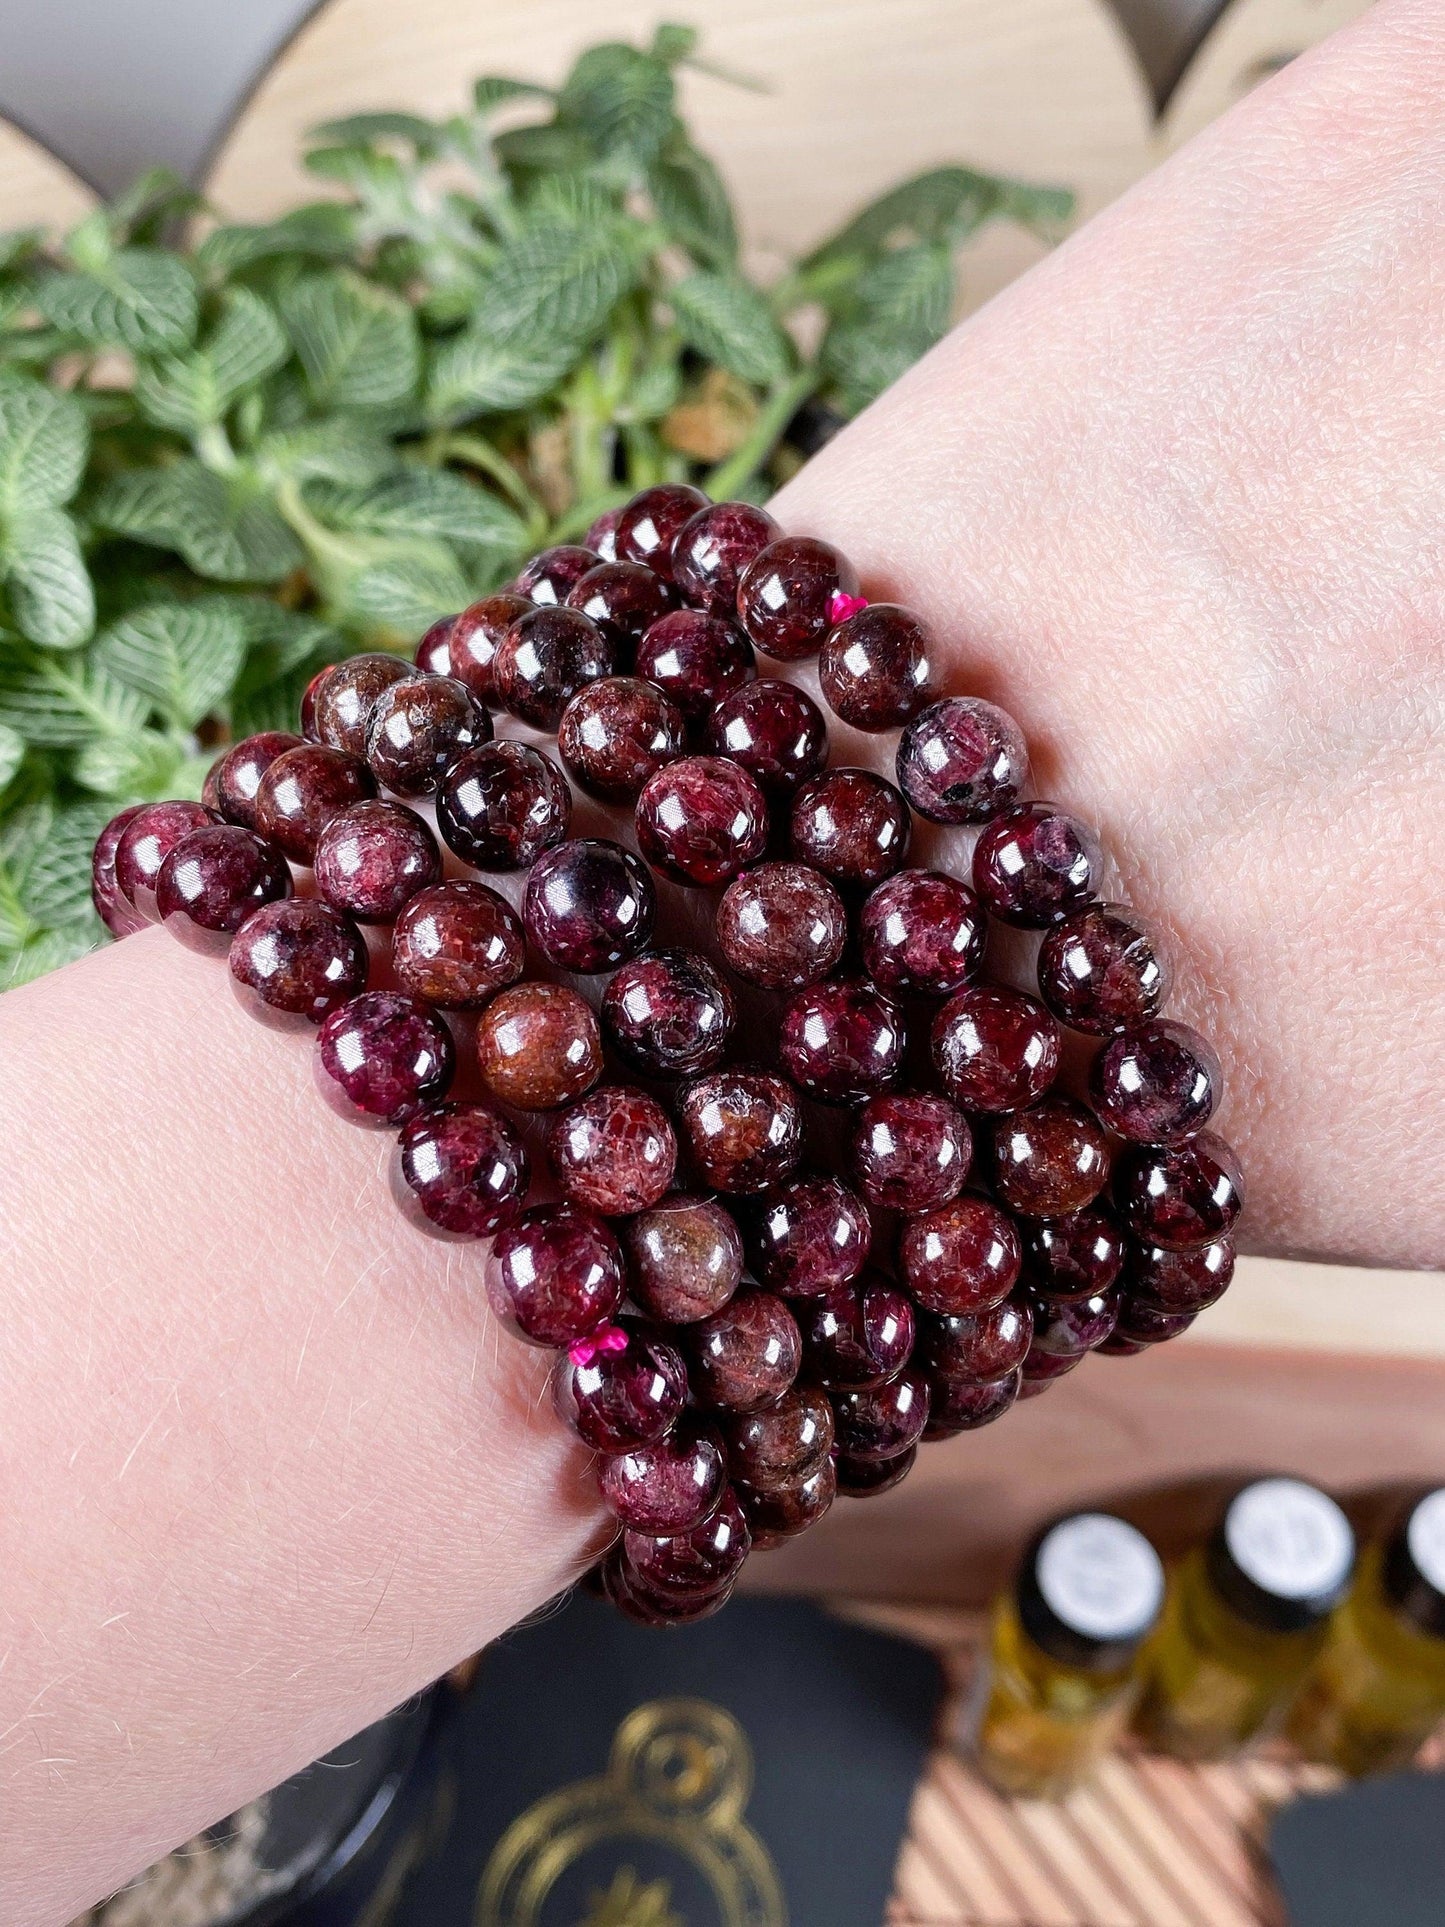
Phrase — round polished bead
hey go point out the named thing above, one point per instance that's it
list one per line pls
(1074, 1257)
(659, 1609)
(1049, 1160)
(909, 1152)
(842, 1040)
(345, 699)
(786, 595)
(234, 780)
(857, 1334)
(978, 1347)
(649, 524)
(962, 760)
(668, 1488)
(685, 1258)
(809, 1235)
(960, 1405)
(962, 1258)
(781, 1441)
(696, 1562)
(1040, 1369)
(1104, 969)
(922, 930)
(418, 729)
(373, 858)
(870, 1478)
(538, 1046)
(301, 792)
(775, 730)
(1179, 1280)
(669, 1013)
(612, 1151)
(476, 635)
(1069, 1330)
(701, 820)
(460, 1171)
(781, 925)
(590, 905)
(1116, 1345)
(995, 1049)
(624, 599)
(623, 1387)
(294, 962)
(1145, 1325)
(1182, 1196)
(555, 1275)
(880, 1421)
(1157, 1083)
(601, 536)
(457, 944)
(383, 1057)
(616, 733)
(713, 547)
(144, 843)
(308, 704)
(1034, 866)
(874, 668)
(746, 1355)
(499, 807)
(742, 1128)
(789, 1507)
(544, 659)
(112, 909)
(551, 576)
(851, 825)
(695, 660)
(433, 655)
(213, 879)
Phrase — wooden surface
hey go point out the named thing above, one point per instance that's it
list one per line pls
(36, 190)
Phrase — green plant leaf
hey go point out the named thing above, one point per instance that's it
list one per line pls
(141, 298)
(420, 501)
(141, 766)
(724, 317)
(358, 343)
(51, 595)
(19, 247)
(495, 90)
(44, 442)
(472, 373)
(621, 99)
(693, 204)
(226, 527)
(557, 283)
(184, 656)
(190, 392)
(58, 702)
(324, 229)
(405, 594)
(343, 449)
(12, 754)
(45, 879)
(362, 129)
(672, 42)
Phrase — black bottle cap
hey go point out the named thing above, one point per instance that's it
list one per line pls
(1282, 1556)
(1414, 1569)
(1088, 1590)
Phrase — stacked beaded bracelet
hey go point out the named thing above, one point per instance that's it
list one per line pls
(737, 1350)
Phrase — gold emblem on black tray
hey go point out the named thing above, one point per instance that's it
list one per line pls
(658, 1840)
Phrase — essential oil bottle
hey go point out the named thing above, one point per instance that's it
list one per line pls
(1377, 1690)
(1059, 1682)
(1245, 1619)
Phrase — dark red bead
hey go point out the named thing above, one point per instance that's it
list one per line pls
(382, 1058)
(922, 930)
(1143, 1324)
(781, 925)
(808, 1236)
(649, 523)
(746, 1355)
(294, 962)
(1179, 1280)
(774, 730)
(696, 1562)
(144, 843)
(112, 909)
(1034, 866)
(790, 1506)
(475, 639)
(963, 1258)
(1049, 1160)
(657, 1609)
(555, 1276)
(460, 1171)
(538, 1046)
(669, 1013)
(1157, 1083)
(373, 858)
(668, 1488)
(695, 660)
(910, 1152)
(1073, 1257)
(235, 778)
(980, 1346)
(995, 1049)
(959, 1405)
(418, 729)
(433, 655)
(1040, 1369)
(308, 704)
(713, 547)
(213, 879)
(685, 1257)
(301, 792)
(623, 1387)
(1069, 1330)
(701, 820)
(1116, 1345)
(880, 1421)
(842, 1040)
(457, 944)
(857, 1334)
(851, 825)
(499, 807)
(962, 760)
(780, 1442)
(874, 668)
(544, 659)
(602, 535)
(786, 595)
(624, 599)
(551, 576)
(1183, 1196)
(616, 733)
(344, 701)
(590, 905)
(612, 1151)
(870, 1478)
(1104, 969)
(742, 1128)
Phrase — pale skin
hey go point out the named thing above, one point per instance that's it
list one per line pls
(267, 1464)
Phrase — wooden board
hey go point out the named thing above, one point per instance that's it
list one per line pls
(36, 190)
(1251, 40)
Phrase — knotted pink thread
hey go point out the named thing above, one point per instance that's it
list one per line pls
(841, 605)
(611, 1338)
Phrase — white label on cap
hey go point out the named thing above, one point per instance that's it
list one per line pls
(1289, 1538)
(1100, 1576)
(1425, 1536)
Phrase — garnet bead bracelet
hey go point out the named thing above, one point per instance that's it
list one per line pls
(821, 1189)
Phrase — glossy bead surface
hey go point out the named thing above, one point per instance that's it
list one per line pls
(809, 1235)
(782, 1441)
(234, 780)
(457, 944)
(713, 547)
(781, 925)
(785, 595)
(1183, 1196)
(874, 668)
(551, 576)
(921, 930)
(649, 523)
(1049, 1160)
(656, 1608)
(383, 1057)
(616, 733)
(1034, 866)
(601, 536)
(301, 792)
(344, 700)
(695, 660)
(623, 1387)
(555, 1275)
(909, 1152)
(499, 807)
(213, 879)
(842, 1040)
(144, 843)
(1104, 969)
(612, 1151)
(544, 659)
(373, 858)
(590, 905)
(433, 654)
(1040, 1369)
(1069, 1330)
(851, 825)
(538, 1046)
(460, 1171)
(978, 1347)
(746, 1355)
(476, 635)
(701, 819)
(119, 918)
(995, 1049)
(880, 1421)
(858, 1334)
(742, 1128)
(1179, 1280)
(418, 729)
(962, 760)
(1073, 1257)
(694, 1562)
(869, 1478)
(959, 1405)
(789, 1507)
(308, 704)
(1141, 1324)
(669, 1013)
(1157, 1083)
(962, 1258)
(685, 1258)
(668, 1488)
(624, 599)
(294, 962)
(775, 730)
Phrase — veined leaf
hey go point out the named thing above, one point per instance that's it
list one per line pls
(226, 528)
(693, 205)
(12, 754)
(45, 869)
(357, 343)
(910, 291)
(494, 90)
(184, 656)
(144, 765)
(557, 283)
(362, 129)
(326, 229)
(622, 100)
(141, 298)
(44, 442)
(189, 392)
(50, 589)
(726, 319)
(473, 373)
(342, 449)
(57, 702)
(405, 594)
(420, 501)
